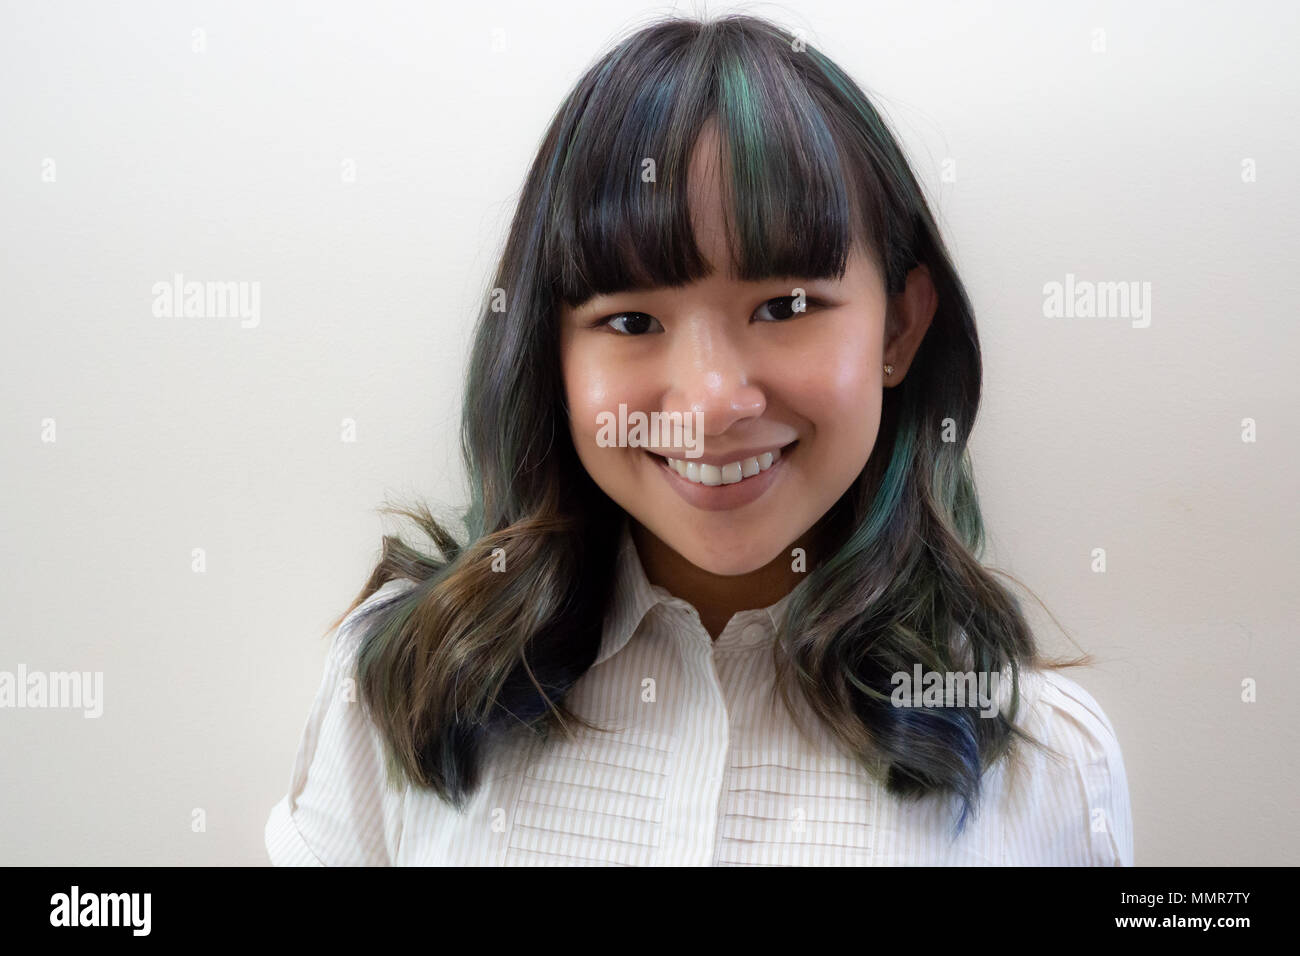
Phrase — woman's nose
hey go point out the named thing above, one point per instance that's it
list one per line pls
(714, 375)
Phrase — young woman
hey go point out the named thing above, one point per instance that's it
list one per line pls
(764, 637)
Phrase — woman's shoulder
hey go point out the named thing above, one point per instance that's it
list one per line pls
(340, 809)
(380, 596)
(1067, 711)
(348, 635)
(1078, 772)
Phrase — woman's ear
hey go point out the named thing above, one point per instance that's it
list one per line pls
(909, 316)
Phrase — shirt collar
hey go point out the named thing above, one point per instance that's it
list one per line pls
(634, 597)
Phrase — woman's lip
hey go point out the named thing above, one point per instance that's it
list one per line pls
(723, 497)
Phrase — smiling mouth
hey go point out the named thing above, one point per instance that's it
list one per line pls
(732, 473)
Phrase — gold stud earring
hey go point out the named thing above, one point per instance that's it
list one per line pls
(889, 370)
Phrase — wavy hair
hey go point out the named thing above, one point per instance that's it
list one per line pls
(471, 651)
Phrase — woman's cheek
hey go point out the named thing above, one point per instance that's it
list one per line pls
(587, 390)
(837, 387)
(828, 384)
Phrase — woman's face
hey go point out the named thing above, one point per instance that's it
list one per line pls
(803, 386)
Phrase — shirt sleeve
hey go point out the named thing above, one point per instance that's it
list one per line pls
(340, 809)
(1080, 795)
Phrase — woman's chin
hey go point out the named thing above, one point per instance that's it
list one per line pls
(726, 555)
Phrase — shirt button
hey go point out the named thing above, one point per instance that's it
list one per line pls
(754, 633)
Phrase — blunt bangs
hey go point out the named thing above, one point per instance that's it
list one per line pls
(794, 200)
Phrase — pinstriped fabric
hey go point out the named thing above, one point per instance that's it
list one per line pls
(788, 801)
(1081, 786)
(698, 764)
(597, 800)
(336, 812)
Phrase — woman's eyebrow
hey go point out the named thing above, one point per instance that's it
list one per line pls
(761, 280)
(600, 301)
(595, 301)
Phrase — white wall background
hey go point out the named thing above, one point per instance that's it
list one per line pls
(175, 434)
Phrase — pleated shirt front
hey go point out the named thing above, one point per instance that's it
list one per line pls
(703, 767)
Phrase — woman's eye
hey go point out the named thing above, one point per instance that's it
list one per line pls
(782, 308)
(633, 323)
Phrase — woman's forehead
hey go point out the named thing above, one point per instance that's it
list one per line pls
(713, 236)
(720, 204)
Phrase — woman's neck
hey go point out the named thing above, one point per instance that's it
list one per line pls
(716, 596)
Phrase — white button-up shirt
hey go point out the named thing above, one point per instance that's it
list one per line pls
(705, 768)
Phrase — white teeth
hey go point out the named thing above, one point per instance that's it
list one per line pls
(728, 474)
